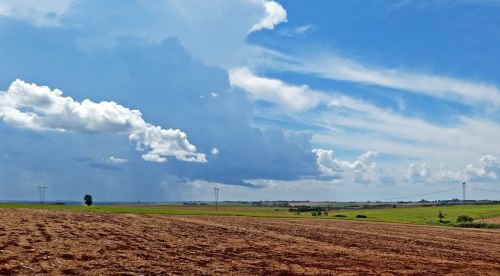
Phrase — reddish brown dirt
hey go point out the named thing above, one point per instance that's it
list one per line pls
(490, 220)
(61, 242)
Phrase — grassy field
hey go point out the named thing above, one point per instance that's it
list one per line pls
(424, 215)
(223, 210)
(413, 215)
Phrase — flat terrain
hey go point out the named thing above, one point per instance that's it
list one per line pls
(412, 215)
(67, 242)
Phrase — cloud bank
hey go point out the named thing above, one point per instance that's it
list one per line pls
(39, 108)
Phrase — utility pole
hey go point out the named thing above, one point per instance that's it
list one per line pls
(216, 191)
(463, 191)
(41, 190)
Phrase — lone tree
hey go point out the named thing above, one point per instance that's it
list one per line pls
(88, 200)
(441, 216)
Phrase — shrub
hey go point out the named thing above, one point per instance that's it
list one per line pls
(464, 218)
(88, 200)
(441, 216)
(360, 216)
(477, 225)
(340, 216)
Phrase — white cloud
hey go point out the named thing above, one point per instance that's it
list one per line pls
(487, 169)
(362, 170)
(275, 14)
(214, 151)
(38, 13)
(117, 160)
(359, 171)
(290, 97)
(418, 173)
(40, 108)
(297, 31)
(339, 68)
(326, 162)
(215, 31)
(444, 175)
(352, 123)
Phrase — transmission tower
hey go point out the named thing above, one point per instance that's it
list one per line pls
(216, 193)
(41, 190)
(463, 191)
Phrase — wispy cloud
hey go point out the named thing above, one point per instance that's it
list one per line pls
(117, 160)
(339, 68)
(40, 108)
(38, 13)
(353, 123)
(291, 97)
(297, 31)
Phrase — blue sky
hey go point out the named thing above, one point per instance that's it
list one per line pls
(324, 100)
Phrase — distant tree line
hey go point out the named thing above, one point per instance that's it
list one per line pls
(305, 208)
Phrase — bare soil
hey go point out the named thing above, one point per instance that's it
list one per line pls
(490, 220)
(62, 242)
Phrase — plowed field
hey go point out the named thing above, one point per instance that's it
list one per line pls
(63, 242)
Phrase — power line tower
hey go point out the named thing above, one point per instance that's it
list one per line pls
(216, 193)
(41, 190)
(463, 191)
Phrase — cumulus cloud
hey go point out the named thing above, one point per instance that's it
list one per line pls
(40, 108)
(290, 97)
(418, 172)
(360, 171)
(214, 151)
(444, 175)
(487, 169)
(275, 14)
(329, 165)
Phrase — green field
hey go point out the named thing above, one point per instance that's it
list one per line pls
(424, 215)
(223, 210)
(413, 215)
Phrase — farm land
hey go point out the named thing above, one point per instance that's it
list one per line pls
(248, 240)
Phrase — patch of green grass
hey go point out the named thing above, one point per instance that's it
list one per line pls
(162, 209)
(426, 215)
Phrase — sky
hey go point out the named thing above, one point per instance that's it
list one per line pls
(149, 100)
